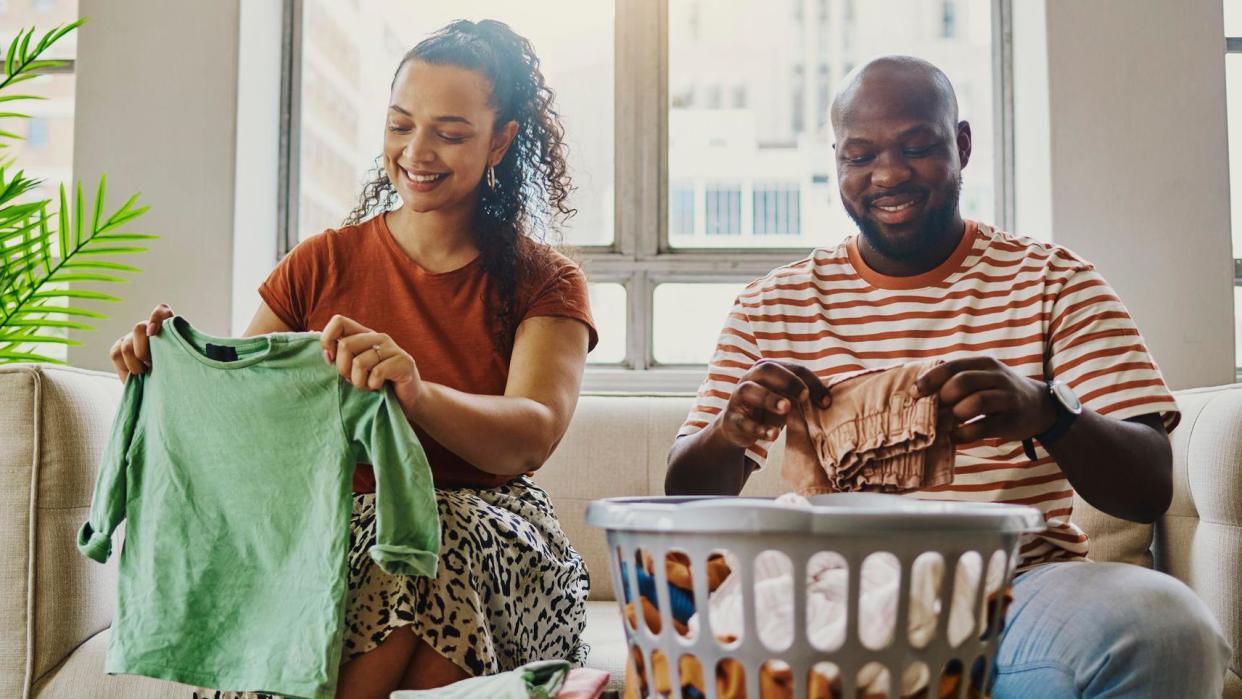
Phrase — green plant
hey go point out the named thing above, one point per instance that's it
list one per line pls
(43, 251)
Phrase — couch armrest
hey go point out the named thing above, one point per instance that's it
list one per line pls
(55, 422)
(1199, 540)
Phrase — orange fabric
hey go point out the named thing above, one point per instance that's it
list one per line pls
(440, 319)
(934, 276)
(874, 437)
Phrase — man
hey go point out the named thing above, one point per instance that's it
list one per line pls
(1028, 333)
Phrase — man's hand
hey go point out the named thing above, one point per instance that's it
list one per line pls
(763, 399)
(990, 398)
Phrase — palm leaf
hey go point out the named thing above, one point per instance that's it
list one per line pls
(34, 279)
(46, 323)
(25, 338)
(33, 309)
(9, 356)
(46, 254)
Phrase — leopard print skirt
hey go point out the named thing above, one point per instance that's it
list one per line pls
(509, 589)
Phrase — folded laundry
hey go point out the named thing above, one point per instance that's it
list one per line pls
(874, 436)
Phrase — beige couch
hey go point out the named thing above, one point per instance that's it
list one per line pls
(54, 422)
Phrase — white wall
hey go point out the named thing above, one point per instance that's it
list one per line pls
(256, 167)
(156, 110)
(1136, 165)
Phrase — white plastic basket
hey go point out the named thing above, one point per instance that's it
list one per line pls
(852, 530)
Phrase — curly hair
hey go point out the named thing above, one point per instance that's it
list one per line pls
(532, 181)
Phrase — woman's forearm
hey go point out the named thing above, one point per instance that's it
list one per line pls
(504, 435)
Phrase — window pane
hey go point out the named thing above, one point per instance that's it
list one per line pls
(688, 318)
(1237, 326)
(609, 311)
(1233, 96)
(46, 151)
(349, 53)
(749, 89)
(1233, 18)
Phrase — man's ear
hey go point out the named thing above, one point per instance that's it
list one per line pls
(501, 140)
(964, 141)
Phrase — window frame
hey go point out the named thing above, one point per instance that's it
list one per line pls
(640, 256)
(1233, 45)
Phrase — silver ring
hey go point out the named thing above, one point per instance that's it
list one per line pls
(379, 357)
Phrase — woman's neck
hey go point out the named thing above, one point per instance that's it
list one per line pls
(439, 241)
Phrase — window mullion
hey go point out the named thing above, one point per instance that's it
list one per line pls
(1002, 111)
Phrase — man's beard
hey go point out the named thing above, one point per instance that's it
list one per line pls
(935, 228)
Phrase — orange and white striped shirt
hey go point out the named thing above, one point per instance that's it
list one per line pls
(1038, 308)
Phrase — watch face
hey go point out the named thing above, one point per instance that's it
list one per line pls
(1066, 396)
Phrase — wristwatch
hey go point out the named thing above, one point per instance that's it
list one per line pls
(1068, 409)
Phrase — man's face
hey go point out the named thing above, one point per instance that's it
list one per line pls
(899, 167)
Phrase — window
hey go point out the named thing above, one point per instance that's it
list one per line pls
(948, 18)
(724, 210)
(36, 133)
(717, 153)
(348, 53)
(1233, 96)
(46, 153)
(776, 209)
(681, 210)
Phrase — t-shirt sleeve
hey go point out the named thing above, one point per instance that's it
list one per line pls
(407, 522)
(1096, 348)
(109, 499)
(563, 294)
(294, 286)
(736, 352)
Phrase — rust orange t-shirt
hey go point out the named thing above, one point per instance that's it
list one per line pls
(441, 319)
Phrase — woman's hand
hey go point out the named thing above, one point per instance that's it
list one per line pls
(367, 359)
(131, 353)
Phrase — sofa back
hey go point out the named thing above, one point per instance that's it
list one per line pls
(54, 423)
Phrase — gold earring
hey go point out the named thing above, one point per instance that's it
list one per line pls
(491, 177)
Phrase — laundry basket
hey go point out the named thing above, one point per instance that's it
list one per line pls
(855, 594)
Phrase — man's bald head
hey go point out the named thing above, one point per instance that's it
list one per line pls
(900, 150)
(897, 83)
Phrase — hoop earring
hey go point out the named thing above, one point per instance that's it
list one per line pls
(491, 177)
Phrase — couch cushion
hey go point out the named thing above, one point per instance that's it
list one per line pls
(1113, 539)
(606, 636)
(614, 447)
(61, 418)
(81, 674)
(1199, 539)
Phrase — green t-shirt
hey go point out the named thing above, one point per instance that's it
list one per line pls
(234, 476)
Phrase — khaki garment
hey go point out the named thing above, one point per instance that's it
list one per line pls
(874, 437)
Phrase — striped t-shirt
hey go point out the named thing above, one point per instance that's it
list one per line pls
(1038, 308)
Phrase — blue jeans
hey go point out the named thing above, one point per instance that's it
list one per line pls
(1108, 630)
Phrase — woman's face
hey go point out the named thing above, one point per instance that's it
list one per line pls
(440, 136)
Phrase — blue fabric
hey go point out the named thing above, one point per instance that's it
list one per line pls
(1108, 630)
(680, 600)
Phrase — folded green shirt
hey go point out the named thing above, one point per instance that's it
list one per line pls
(231, 463)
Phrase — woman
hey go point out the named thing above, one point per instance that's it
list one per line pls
(482, 332)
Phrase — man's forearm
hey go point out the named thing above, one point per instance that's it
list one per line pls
(704, 463)
(1122, 467)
